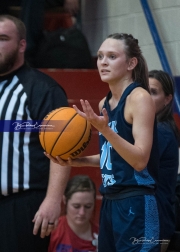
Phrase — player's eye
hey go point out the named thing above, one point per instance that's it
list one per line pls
(100, 56)
(153, 92)
(112, 56)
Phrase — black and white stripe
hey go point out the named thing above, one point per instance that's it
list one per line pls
(15, 170)
(29, 95)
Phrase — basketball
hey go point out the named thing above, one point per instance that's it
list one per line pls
(64, 133)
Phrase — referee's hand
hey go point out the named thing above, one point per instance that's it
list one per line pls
(46, 218)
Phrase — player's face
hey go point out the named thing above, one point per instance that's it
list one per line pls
(158, 95)
(79, 208)
(9, 46)
(112, 62)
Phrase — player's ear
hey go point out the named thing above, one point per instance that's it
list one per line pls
(168, 99)
(132, 63)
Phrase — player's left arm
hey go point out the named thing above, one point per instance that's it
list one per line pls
(50, 209)
(140, 112)
(143, 115)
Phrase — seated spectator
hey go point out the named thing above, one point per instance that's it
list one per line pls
(75, 230)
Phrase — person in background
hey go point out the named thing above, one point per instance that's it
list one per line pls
(31, 187)
(128, 159)
(32, 15)
(75, 231)
(162, 92)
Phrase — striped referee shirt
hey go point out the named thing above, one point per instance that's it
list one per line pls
(26, 94)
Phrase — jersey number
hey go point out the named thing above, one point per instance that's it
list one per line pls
(106, 156)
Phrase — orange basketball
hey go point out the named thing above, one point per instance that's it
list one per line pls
(64, 133)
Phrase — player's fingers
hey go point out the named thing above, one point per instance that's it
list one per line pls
(71, 161)
(87, 109)
(90, 110)
(92, 117)
(79, 111)
(83, 106)
(76, 108)
(61, 161)
(105, 114)
(51, 158)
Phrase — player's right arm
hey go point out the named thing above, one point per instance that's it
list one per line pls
(93, 160)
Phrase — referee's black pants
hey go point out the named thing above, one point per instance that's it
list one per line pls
(16, 227)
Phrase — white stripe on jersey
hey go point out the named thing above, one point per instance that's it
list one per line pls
(5, 146)
(2, 85)
(4, 163)
(25, 150)
(6, 92)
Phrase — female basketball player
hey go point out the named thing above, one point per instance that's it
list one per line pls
(128, 158)
(162, 92)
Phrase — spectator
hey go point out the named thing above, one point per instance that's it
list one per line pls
(31, 188)
(75, 231)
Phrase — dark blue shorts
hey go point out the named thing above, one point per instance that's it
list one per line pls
(129, 225)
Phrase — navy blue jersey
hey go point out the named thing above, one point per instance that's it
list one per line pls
(168, 170)
(116, 172)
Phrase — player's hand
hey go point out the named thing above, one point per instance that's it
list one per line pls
(47, 217)
(70, 162)
(99, 122)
